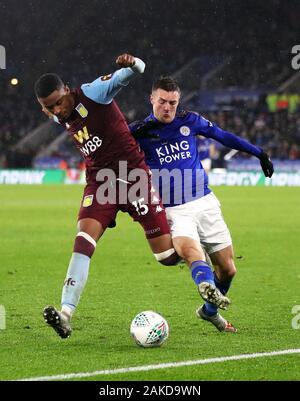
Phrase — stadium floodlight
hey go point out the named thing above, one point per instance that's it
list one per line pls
(2, 58)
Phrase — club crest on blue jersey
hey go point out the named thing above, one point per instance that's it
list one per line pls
(82, 111)
(185, 131)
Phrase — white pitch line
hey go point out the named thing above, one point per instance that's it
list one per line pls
(162, 366)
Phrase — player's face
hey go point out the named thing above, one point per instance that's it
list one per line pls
(164, 105)
(59, 103)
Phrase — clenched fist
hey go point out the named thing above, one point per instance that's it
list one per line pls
(125, 60)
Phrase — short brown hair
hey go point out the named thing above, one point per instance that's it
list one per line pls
(166, 83)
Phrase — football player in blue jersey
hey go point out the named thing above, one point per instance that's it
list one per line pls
(169, 140)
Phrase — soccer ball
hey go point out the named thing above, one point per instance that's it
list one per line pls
(149, 329)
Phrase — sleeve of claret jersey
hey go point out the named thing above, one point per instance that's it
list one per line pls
(210, 130)
(105, 88)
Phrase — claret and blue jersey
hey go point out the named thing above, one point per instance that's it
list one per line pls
(173, 146)
(97, 126)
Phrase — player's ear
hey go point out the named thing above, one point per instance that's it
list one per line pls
(151, 98)
(67, 89)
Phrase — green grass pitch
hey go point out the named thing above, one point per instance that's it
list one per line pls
(38, 224)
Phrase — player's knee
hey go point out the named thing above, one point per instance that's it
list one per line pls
(231, 273)
(168, 258)
(191, 252)
(92, 227)
(233, 270)
(229, 269)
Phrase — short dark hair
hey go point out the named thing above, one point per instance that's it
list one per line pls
(166, 83)
(46, 84)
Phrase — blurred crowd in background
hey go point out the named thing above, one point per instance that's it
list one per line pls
(81, 41)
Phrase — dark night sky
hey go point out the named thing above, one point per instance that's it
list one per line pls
(82, 39)
(34, 32)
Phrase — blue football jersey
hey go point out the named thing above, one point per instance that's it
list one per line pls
(173, 148)
(171, 153)
(203, 146)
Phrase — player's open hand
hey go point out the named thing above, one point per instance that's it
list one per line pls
(125, 60)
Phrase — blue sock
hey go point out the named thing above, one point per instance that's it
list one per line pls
(210, 309)
(201, 271)
(75, 281)
(223, 286)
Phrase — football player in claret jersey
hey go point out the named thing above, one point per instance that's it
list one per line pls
(100, 132)
(169, 140)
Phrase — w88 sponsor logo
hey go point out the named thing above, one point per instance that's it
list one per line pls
(91, 145)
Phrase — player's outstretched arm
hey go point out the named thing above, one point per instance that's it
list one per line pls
(105, 88)
(232, 141)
